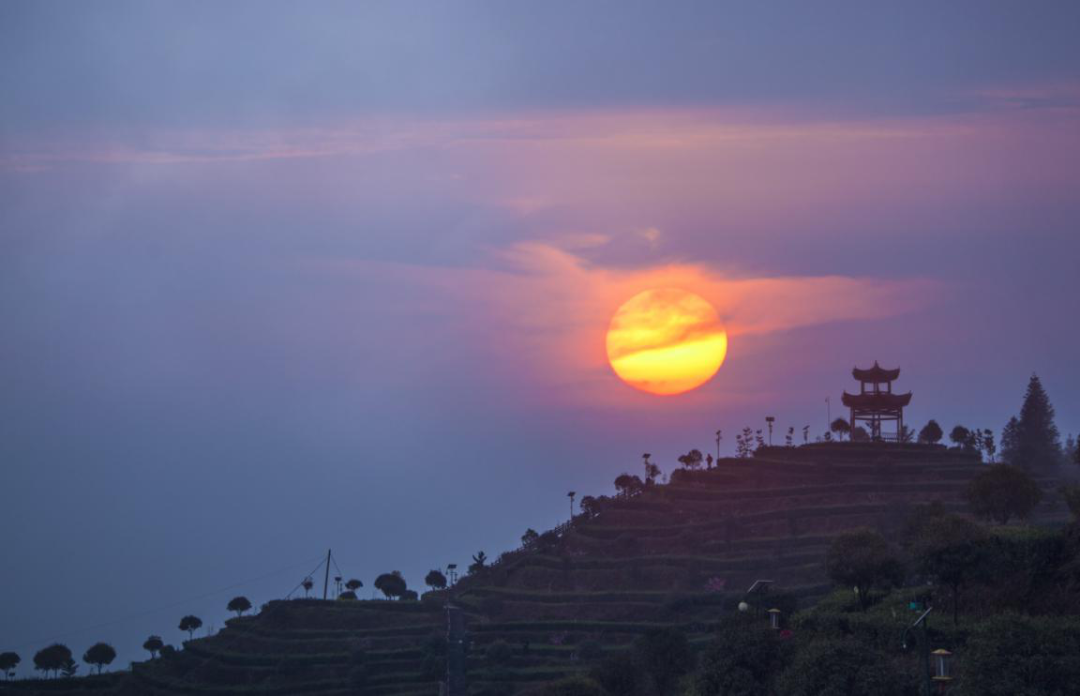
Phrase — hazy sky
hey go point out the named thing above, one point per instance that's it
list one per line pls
(282, 276)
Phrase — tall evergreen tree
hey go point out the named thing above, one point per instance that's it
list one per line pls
(1010, 446)
(1038, 443)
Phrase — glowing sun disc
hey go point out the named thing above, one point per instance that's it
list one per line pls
(666, 341)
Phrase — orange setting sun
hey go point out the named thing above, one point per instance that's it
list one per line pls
(666, 341)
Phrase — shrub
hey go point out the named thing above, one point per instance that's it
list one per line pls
(1002, 492)
(841, 668)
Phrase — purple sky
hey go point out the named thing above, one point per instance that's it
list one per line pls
(277, 276)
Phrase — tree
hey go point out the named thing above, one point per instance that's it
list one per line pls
(860, 434)
(961, 437)
(841, 427)
(863, 560)
(1038, 443)
(69, 668)
(619, 674)
(841, 668)
(391, 584)
(1012, 655)
(437, 581)
(743, 659)
(239, 605)
(307, 584)
(628, 485)
(479, 562)
(353, 585)
(8, 662)
(152, 645)
(692, 459)
(530, 537)
(1010, 442)
(1002, 492)
(989, 446)
(347, 596)
(952, 550)
(52, 658)
(931, 433)
(1071, 496)
(190, 624)
(665, 657)
(99, 655)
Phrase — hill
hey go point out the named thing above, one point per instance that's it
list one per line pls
(680, 554)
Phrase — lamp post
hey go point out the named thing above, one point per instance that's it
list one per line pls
(571, 495)
(774, 618)
(770, 420)
(719, 437)
(451, 570)
(924, 645)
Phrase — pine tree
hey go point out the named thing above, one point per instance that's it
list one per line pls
(1010, 446)
(1038, 444)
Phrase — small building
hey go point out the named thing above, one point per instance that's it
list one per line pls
(876, 404)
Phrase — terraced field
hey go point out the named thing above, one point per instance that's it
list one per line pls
(680, 554)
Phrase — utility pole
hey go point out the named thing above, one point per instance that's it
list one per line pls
(828, 414)
(326, 578)
(571, 495)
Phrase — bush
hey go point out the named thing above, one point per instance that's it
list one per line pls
(742, 660)
(864, 560)
(841, 668)
(499, 653)
(1002, 492)
(1012, 655)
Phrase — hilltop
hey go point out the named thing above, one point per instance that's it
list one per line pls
(682, 553)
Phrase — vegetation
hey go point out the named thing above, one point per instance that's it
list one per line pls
(8, 662)
(479, 562)
(239, 605)
(1002, 492)
(864, 561)
(190, 624)
(391, 584)
(436, 580)
(99, 655)
(52, 659)
(153, 645)
(1032, 441)
(841, 428)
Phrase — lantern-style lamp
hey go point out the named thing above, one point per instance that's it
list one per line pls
(943, 668)
(774, 618)
(744, 607)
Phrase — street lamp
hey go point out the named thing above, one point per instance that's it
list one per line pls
(770, 420)
(571, 495)
(774, 618)
(451, 570)
(942, 667)
(719, 437)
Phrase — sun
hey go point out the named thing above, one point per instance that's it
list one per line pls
(666, 341)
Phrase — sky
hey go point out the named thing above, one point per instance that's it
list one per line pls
(279, 277)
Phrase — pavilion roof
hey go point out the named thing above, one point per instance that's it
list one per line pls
(877, 402)
(877, 373)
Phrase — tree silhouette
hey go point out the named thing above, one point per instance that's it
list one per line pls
(988, 445)
(8, 662)
(99, 655)
(665, 656)
(347, 595)
(152, 645)
(437, 581)
(353, 585)
(863, 560)
(628, 485)
(692, 459)
(239, 605)
(1002, 492)
(190, 624)
(529, 538)
(69, 668)
(307, 584)
(841, 427)
(479, 562)
(931, 433)
(961, 437)
(52, 658)
(391, 584)
(1038, 443)
(951, 549)
(1010, 442)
